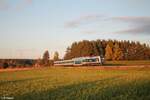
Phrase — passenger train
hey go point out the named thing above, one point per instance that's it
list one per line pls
(81, 61)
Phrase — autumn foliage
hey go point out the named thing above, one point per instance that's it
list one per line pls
(110, 49)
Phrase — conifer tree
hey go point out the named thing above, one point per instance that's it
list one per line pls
(108, 52)
(118, 54)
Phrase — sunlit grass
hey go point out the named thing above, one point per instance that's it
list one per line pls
(128, 63)
(76, 83)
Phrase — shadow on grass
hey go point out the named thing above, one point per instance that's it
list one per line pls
(96, 90)
(21, 80)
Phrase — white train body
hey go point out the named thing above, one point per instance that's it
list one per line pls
(95, 60)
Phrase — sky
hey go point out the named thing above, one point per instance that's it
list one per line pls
(29, 27)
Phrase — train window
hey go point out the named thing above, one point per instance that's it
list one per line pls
(91, 60)
(85, 60)
(78, 62)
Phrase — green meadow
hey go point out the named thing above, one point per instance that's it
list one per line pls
(79, 83)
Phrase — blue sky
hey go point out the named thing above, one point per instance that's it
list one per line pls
(29, 27)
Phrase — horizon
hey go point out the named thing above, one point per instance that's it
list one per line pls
(29, 27)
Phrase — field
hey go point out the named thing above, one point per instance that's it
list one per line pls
(127, 63)
(80, 83)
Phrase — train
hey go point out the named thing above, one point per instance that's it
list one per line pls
(81, 61)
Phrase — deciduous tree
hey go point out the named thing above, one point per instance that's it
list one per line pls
(56, 56)
(46, 58)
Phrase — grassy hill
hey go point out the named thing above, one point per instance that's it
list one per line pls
(76, 84)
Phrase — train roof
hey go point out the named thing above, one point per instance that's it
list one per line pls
(88, 57)
(79, 58)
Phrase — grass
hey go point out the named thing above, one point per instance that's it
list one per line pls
(76, 84)
(127, 63)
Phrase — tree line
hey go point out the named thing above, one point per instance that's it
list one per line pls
(19, 63)
(109, 49)
(13, 63)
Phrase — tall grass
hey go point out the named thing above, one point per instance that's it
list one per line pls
(76, 84)
(127, 63)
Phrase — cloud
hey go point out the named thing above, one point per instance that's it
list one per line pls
(28, 1)
(23, 4)
(89, 32)
(133, 19)
(83, 20)
(6, 5)
(144, 30)
(138, 24)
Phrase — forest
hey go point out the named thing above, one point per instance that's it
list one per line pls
(109, 49)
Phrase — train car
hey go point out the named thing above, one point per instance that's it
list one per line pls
(81, 61)
(96, 60)
(64, 63)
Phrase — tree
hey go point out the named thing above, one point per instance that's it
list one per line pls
(38, 62)
(118, 53)
(86, 48)
(68, 53)
(111, 49)
(108, 52)
(46, 58)
(100, 48)
(96, 49)
(5, 65)
(56, 56)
